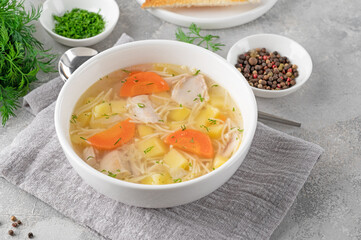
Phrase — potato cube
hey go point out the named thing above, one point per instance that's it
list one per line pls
(77, 139)
(217, 101)
(175, 159)
(153, 147)
(83, 119)
(157, 179)
(118, 106)
(215, 131)
(219, 161)
(179, 114)
(102, 110)
(144, 130)
(205, 114)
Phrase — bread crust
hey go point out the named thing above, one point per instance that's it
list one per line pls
(190, 3)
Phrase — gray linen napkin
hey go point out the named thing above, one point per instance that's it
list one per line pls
(249, 206)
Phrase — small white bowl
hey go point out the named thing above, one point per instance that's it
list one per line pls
(286, 47)
(156, 51)
(107, 8)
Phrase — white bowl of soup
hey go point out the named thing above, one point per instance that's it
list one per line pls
(156, 123)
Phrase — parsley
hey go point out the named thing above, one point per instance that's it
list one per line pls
(141, 105)
(240, 130)
(202, 126)
(126, 71)
(113, 175)
(172, 137)
(214, 169)
(79, 24)
(123, 81)
(136, 80)
(73, 118)
(89, 157)
(215, 85)
(84, 139)
(183, 127)
(212, 121)
(180, 105)
(192, 140)
(157, 162)
(160, 120)
(150, 83)
(177, 180)
(196, 73)
(148, 149)
(194, 37)
(117, 141)
(233, 109)
(103, 170)
(190, 164)
(118, 170)
(22, 56)
(200, 97)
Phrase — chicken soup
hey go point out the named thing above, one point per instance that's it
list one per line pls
(156, 124)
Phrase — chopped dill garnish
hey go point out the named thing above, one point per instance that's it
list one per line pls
(190, 164)
(214, 169)
(123, 81)
(89, 157)
(113, 175)
(215, 85)
(148, 149)
(117, 141)
(202, 126)
(196, 73)
(103, 170)
(212, 121)
(177, 180)
(118, 170)
(180, 105)
(73, 118)
(183, 127)
(200, 97)
(141, 105)
(84, 139)
(157, 162)
(233, 109)
(160, 120)
(150, 83)
(172, 137)
(240, 130)
(126, 71)
(192, 140)
(136, 80)
(189, 91)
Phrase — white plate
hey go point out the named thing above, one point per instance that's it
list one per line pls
(213, 17)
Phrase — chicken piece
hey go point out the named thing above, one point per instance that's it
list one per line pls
(89, 156)
(142, 109)
(190, 90)
(233, 143)
(110, 162)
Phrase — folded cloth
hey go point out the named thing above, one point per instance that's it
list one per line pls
(249, 206)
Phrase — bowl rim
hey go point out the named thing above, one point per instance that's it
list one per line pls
(104, 32)
(271, 35)
(68, 149)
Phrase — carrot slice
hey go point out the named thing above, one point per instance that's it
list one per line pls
(193, 141)
(143, 83)
(113, 137)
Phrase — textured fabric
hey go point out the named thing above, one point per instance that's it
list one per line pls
(249, 206)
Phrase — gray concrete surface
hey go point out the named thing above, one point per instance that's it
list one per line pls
(329, 205)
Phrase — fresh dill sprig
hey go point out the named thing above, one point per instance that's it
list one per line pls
(22, 56)
(194, 37)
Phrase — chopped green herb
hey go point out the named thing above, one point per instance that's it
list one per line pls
(180, 105)
(202, 126)
(73, 118)
(215, 85)
(240, 130)
(194, 37)
(233, 109)
(192, 140)
(172, 137)
(214, 169)
(189, 91)
(136, 80)
(79, 24)
(141, 105)
(212, 121)
(118, 170)
(123, 81)
(177, 180)
(197, 72)
(190, 164)
(89, 157)
(200, 97)
(117, 141)
(126, 71)
(160, 120)
(150, 83)
(173, 74)
(113, 175)
(183, 127)
(84, 139)
(103, 170)
(157, 162)
(148, 149)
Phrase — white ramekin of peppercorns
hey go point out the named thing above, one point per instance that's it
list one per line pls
(273, 65)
